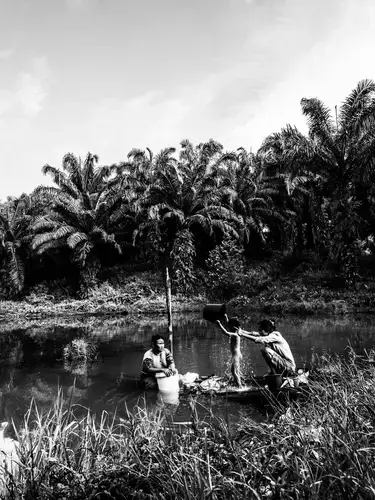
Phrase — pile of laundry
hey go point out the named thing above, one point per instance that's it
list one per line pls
(205, 384)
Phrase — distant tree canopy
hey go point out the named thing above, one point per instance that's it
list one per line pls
(298, 193)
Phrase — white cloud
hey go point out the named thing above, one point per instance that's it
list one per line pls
(250, 99)
(29, 91)
(79, 5)
(29, 94)
(5, 53)
(6, 101)
(23, 156)
(23, 144)
(115, 126)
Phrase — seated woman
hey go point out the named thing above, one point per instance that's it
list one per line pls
(158, 359)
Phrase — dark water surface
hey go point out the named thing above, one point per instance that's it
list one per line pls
(32, 364)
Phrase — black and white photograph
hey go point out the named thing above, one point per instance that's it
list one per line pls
(187, 249)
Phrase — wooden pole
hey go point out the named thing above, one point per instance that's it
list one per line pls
(168, 293)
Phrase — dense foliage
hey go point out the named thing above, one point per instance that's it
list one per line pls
(196, 211)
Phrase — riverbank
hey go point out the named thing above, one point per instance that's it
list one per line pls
(108, 299)
(319, 447)
(143, 293)
(301, 298)
(76, 308)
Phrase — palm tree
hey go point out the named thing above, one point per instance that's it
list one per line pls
(247, 192)
(286, 169)
(136, 172)
(339, 153)
(86, 212)
(15, 222)
(183, 202)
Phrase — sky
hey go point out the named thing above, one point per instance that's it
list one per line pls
(107, 76)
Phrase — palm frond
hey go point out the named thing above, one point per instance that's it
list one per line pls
(41, 239)
(43, 223)
(81, 252)
(73, 166)
(76, 239)
(66, 185)
(50, 245)
(355, 107)
(88, 170)
(107, 238)
(64, 231)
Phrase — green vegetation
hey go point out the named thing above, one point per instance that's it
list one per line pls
(289, 228)
(79, 350)
(318, 447)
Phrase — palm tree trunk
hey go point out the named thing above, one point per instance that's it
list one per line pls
(88, 277)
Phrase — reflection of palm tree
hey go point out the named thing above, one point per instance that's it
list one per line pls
(85, 214)
(80, 371)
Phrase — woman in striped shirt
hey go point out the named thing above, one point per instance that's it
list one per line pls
(158, 359)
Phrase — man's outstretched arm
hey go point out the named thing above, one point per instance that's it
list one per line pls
(249, 335)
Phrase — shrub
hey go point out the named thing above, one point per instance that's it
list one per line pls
(226, 266)
(79, 350)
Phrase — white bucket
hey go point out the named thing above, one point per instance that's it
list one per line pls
(168, 384)
(169, 398)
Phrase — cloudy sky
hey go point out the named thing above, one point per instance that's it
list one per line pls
(109, 75)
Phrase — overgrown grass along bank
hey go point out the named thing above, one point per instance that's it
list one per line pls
(269, 288)
(321, 447)
(142, 293)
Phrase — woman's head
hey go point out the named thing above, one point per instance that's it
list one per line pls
(267, 325)
(157, 342)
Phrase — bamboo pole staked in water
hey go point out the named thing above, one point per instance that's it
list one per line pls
(168, 292)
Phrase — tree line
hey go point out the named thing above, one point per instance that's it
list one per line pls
(298, 193)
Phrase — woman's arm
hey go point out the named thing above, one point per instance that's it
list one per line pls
(149, 368)
(170, 361)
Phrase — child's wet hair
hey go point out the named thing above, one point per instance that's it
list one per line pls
(234, 322)
(267, 325)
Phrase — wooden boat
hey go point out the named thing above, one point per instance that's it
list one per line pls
(250, 394)
(267, 388)
(270, 387)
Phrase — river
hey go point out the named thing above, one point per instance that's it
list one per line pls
(33, 367)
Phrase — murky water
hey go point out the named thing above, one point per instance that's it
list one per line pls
(32, 364)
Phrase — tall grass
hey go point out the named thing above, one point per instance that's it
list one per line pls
(319, 447)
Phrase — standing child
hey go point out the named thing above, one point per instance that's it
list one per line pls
(235, 347)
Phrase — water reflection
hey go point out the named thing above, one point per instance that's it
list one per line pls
(33, 367)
